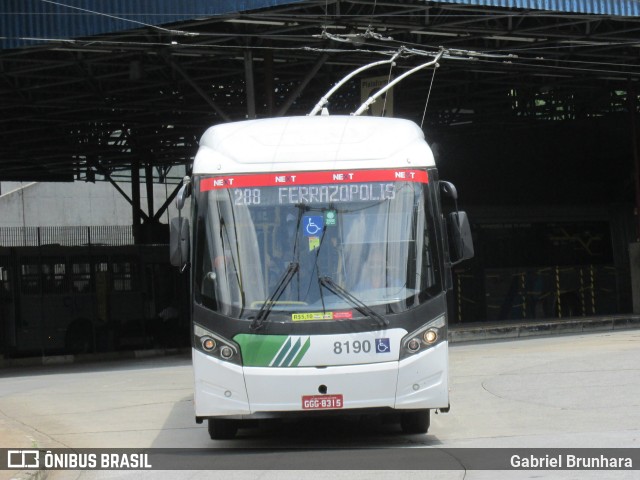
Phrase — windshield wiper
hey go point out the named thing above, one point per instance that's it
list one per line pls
(358, 304)
(268, 304)
(284, 281)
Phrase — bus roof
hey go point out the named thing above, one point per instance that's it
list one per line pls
(312, 143)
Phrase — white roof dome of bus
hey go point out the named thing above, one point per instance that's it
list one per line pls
(312, 143)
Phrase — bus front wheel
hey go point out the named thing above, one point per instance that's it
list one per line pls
(415, 422)
(222, 428)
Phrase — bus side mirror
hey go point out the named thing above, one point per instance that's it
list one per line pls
(179, 242)
(460, 241)
(183, 193)
(449, 189)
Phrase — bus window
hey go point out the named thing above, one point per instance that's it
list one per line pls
(81, 276)
(102, 266)
(124, 273)
(4, 280)
(30, 276)
(54, 277)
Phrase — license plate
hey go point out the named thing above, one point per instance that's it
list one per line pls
(321, 402)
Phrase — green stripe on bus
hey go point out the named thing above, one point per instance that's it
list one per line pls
(259, 350)
(271, 350)
(283, 352)
(292, 354)
(305, 347)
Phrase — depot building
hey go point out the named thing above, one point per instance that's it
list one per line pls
(532, 113)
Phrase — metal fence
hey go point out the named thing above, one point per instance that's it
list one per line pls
(67, 236)
(496, 294)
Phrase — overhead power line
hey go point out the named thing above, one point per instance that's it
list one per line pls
(115, 17)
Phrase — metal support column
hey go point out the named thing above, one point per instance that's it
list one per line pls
(120, 191)
(249, 84)
(135, 202)
(166, 204)
(148, 176)
(268, 81)
(634, 247)
(632, 99)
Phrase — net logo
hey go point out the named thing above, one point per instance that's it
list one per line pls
(23, 459)
(285, 178)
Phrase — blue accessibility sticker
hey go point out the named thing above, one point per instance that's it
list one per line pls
(313, 225)
(383, 345)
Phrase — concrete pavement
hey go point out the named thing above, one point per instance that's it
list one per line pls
(532, 328)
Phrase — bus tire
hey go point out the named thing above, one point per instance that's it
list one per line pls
(222, 428)
(415, 422)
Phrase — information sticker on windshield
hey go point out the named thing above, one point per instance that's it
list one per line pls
(322, 402)
(310, 316)
(314, 242)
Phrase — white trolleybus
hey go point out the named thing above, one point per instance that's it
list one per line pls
(320, 260)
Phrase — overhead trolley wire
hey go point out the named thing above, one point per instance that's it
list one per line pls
(115, 17)
(504, 57)
(564, 68)
(493, 15)
(453, 54)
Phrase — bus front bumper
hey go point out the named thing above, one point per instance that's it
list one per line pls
(223, 389)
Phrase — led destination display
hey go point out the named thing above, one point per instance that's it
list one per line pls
(314, 187)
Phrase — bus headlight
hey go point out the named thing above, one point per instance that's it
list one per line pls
(215, 345)
(425, 337)
(226, 352)
(208, 343)
(413, 345)
(430, 336)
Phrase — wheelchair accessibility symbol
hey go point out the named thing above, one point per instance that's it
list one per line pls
(383, 345)
(313, 225)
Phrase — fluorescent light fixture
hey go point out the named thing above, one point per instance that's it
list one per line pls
(552, 75)
(584, 42)
(257, 22)
(87, 50)
(261, 59)
(439, 34)
(512, 39)
(490, 72)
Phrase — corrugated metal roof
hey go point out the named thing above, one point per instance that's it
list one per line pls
(21, 20)
(24, 19)
(626, 8)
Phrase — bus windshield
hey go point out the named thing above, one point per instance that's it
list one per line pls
(309, 247)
